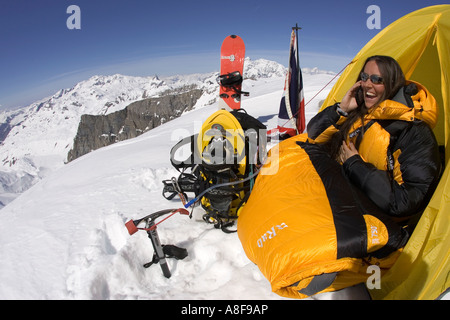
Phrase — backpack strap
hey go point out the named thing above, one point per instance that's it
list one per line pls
(191, 160)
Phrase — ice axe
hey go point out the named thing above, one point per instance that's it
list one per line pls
(160, 251)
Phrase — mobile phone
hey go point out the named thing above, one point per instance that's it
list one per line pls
(359, 96)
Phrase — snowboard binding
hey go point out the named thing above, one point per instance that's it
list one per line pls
(232, 81)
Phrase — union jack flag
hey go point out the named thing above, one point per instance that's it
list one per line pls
(291, 116)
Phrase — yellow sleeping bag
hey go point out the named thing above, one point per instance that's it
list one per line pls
(308, 230)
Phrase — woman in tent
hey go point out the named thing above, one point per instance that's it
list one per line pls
(395, 163)
(313, 225)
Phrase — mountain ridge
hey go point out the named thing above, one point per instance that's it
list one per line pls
(37, 138)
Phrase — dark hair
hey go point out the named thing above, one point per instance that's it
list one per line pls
(393, 80)
(391, 72)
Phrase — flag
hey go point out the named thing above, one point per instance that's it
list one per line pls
(291, 115)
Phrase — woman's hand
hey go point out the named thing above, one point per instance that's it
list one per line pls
(347, 151)
(348, 102)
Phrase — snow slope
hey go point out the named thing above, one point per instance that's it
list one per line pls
(65, 238)
(42, 133)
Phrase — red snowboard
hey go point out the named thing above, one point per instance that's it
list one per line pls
(232, 55)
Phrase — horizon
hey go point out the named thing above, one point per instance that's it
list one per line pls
(51, 45)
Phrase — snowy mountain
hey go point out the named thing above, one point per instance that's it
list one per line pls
(64, 238)
(35, 140)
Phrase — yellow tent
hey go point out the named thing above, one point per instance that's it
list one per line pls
(420, 42)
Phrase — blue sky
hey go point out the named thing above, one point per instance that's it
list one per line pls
(39, 55)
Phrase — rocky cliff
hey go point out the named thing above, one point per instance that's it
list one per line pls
(96, 131)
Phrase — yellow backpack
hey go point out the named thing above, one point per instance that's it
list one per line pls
(221, 167)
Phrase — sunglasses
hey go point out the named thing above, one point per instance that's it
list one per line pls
(373, 77)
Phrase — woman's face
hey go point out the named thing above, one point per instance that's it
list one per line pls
(372, 92)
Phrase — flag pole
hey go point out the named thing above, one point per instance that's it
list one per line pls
(296, 28)
(299, 121)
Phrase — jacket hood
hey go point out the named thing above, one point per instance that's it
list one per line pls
(408, 105)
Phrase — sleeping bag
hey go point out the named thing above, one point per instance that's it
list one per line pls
(308, 229)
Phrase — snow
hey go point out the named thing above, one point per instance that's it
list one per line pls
(42, 133)
(65, 238)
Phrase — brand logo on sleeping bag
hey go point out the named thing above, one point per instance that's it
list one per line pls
(374, 233)
(271, 233)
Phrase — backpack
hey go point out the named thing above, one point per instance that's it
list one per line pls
(221, 167)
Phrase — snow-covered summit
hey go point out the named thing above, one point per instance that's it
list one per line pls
(262, 68)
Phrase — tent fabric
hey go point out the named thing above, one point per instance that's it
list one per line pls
(420, 42)
(421, 272)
